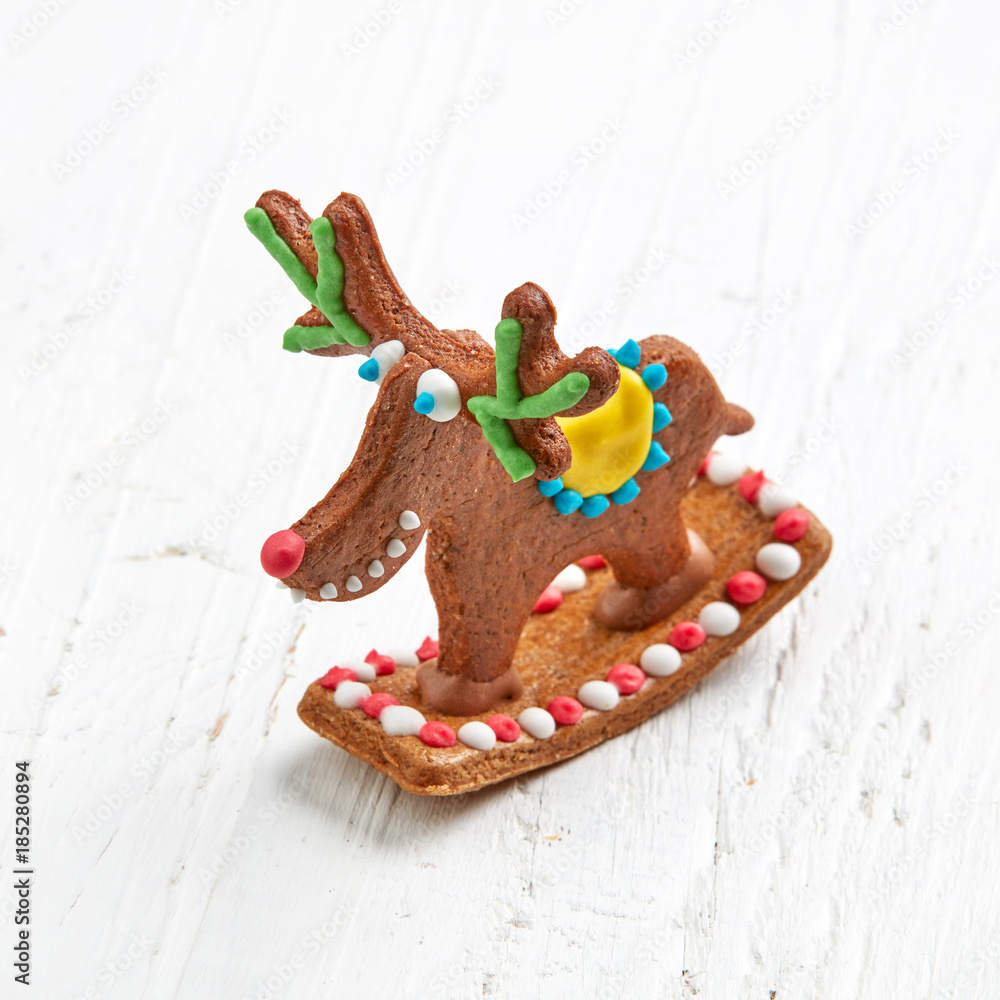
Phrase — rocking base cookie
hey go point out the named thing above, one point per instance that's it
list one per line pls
(583, 682)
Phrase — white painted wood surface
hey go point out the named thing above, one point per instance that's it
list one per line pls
(819, 817)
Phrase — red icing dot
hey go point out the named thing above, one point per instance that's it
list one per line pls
(746, 587)
(505, 727)
(438, 734)
(334, 676)
(282, 553)
(790, 525)
(565, 710)
(627, 677)
(428, 649)
(382, 664)
(592, 562)
(703, 468)
(374, 703)
(750, 484)
(551, 598)
(686, 635)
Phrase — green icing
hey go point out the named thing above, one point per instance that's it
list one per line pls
(325, 293)
(493, 412)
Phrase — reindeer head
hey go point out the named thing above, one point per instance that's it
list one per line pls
(447, 407)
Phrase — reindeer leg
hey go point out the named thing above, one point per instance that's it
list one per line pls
(654, 580)
(478, 629)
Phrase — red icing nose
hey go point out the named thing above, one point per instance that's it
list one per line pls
(282, 553)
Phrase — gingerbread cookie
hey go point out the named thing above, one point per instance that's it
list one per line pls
(518, 463)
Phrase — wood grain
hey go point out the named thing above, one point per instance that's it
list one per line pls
(818, 817)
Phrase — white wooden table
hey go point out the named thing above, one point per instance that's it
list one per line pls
(806, 193)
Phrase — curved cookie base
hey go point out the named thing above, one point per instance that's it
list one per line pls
(560, 651)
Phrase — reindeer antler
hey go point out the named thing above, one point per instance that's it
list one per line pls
(337, 262)
(534, 381)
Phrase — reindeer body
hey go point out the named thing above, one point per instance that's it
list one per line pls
(493, 544)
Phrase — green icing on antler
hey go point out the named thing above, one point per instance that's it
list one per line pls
(493, 412)
(326, 293)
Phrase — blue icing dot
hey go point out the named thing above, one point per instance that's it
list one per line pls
(567, 501)
(654, 376)
(549, 487)
(594, 506)
(369, 370)
(424, 403)
(656, 457)
(661, 416)
(626, 493)
(612, 352)
(628, 354)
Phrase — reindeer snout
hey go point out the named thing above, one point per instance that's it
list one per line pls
(282, 553)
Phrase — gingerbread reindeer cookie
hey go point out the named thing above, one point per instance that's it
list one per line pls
(590, 558)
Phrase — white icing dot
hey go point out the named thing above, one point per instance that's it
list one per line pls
(375, 569)
(571, 579)
(297, 594)
(778, 561)
(328, 591)
(401, 720)
(403, 657)
(278, 585)
(537, 722)
(660, 660)
(363, 671)
(477, 735)
(444, 389)
(719, 618)
(724, 470)
(353, 584)
(773, 499)
(350, 694)
(395, 548)
(387, 354)
(598, 694)
(409, 521)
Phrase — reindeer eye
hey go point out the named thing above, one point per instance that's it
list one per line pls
(437, 395)
(382, 359)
